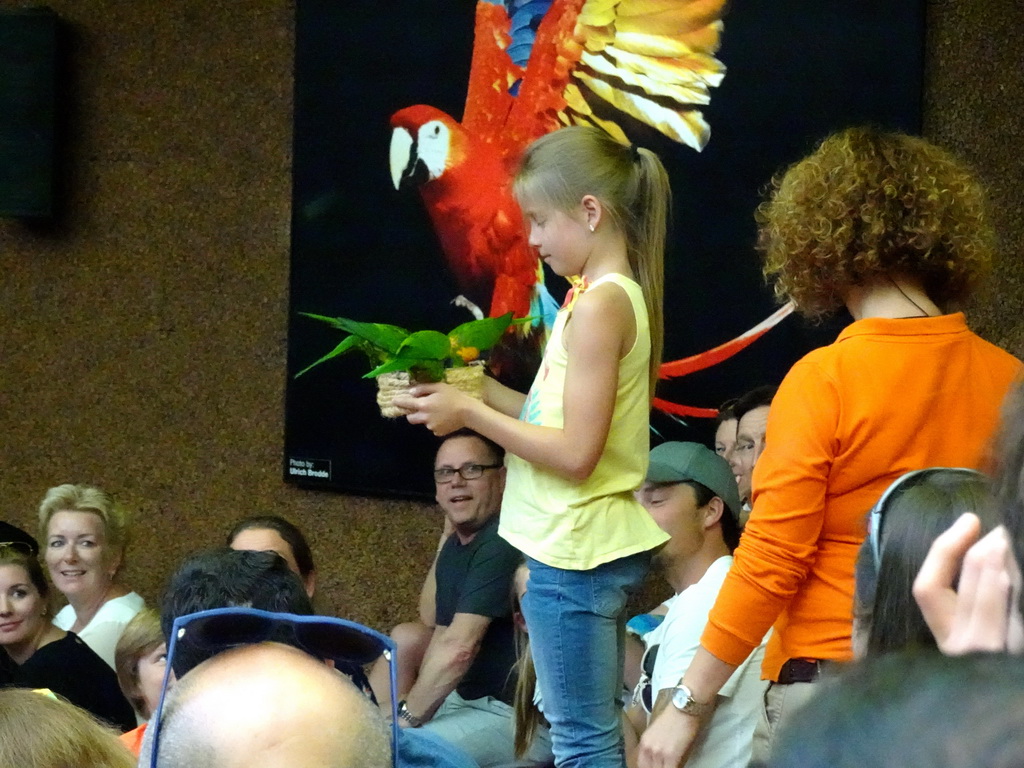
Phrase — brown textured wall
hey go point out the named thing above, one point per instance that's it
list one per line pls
(973, 104)
(142, 344)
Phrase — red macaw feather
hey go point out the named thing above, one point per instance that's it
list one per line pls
(489, 99)
(714, 356)
(683, 410)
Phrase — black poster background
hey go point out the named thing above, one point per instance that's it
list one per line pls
(796, 71)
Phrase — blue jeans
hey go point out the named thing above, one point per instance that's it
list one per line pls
(485, 730)
(577, 626)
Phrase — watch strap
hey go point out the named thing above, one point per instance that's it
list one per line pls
(409, 717)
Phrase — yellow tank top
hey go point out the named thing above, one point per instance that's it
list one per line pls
(580, 525)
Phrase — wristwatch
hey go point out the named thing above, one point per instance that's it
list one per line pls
(409, 717)
(682, 699)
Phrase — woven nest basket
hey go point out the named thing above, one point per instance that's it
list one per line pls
(469, 379)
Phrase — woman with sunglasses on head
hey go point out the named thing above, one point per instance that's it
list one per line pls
(969, 587)
(902, 526)
(85, 532)
(41, 655)
(894, 229)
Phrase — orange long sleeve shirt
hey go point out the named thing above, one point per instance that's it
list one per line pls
(887, 397)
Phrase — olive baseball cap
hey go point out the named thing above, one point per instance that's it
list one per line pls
(678, 462)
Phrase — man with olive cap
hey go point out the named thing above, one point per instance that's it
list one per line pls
(691, 493)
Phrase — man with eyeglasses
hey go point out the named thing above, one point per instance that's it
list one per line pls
(463, 688)
(691, 493)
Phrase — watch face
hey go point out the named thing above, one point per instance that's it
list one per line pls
(681, 697)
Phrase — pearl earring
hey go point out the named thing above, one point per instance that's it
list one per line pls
(591, 226)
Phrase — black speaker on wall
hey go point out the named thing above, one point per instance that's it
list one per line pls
(28, 112)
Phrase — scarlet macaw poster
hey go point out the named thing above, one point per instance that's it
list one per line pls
(731, 97)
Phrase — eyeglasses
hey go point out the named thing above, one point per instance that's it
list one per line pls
(877, 514)
(444, 475)
(321, 636)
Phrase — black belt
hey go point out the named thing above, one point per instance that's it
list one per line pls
(801, 671)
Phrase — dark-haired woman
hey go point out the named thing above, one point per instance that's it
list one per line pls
(42, 655)
(269, 533)
(902, 526)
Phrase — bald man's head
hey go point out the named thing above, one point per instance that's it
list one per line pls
(268, 705)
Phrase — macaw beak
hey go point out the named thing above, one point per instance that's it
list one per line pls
(398, 155)
(406, 167)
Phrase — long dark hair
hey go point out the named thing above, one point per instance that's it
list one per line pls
(912, 518)
(290, 533)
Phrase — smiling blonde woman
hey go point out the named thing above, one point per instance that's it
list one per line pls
(85, 533)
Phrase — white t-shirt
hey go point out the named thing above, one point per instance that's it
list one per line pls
(725, 742)
(102, 633)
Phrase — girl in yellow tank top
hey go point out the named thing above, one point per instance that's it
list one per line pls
(578, 443)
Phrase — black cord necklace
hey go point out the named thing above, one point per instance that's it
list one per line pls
(905, 296)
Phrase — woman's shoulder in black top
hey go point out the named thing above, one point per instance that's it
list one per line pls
(71, 669)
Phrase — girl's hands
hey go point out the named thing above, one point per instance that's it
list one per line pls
(440, 407)
(982, 613)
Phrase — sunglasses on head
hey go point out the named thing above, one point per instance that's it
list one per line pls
(323, 637)
(19, 546)
(876, 517)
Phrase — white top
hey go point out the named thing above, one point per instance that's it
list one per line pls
(726, 740)
(102, 633)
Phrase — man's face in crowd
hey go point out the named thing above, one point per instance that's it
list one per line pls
(469, 503)
(725, 438)
(749, 446)
(674, 508)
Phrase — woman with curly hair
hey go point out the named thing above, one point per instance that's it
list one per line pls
(894, 229)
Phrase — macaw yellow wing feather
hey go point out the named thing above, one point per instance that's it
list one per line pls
(580, 113)
(651, 59)
(668, 17)
(686, 68)
(642, 7)
(689, 89)
(598, 13)
(686, 126)
(659, 46)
